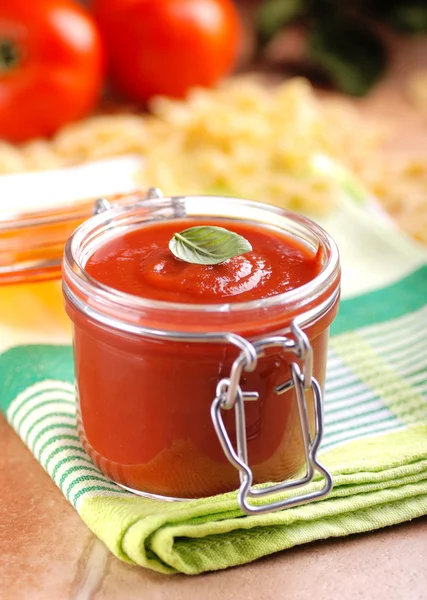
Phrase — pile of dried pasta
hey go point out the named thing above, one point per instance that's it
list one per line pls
(241, 139)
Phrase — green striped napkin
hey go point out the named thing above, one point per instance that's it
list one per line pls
(375, 445)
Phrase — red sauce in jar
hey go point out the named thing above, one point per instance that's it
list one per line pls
(144, 404)
(141, 263)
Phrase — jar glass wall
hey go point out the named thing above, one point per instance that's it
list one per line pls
(147, 371)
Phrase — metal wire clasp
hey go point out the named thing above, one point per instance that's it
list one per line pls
(102, 204)
(230, 395)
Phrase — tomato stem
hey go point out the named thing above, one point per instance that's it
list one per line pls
(10, 55)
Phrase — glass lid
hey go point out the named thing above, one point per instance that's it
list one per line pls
(39, 211)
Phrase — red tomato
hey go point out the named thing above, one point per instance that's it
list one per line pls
(51, 66)
(167, 46)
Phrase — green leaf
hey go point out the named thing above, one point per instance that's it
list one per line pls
(349, 52)
(275, 14)
(207, 245)
(411, 17)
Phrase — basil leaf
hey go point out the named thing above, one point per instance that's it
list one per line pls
(350, 53)
(275, 14)
(207, 245)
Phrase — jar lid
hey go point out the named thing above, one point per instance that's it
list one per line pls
(40, 210)
(32, 245)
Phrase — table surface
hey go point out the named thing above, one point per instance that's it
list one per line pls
(46, 551)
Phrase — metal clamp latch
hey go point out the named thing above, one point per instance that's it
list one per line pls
(230, 395)
(102, 204)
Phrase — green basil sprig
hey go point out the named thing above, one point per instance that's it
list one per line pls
(208, 245)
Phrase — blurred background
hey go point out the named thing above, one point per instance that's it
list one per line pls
(216, 96)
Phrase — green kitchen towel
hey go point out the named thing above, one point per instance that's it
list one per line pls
(375, 444)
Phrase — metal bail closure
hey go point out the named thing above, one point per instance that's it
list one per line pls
(230, 395)
(101, 204)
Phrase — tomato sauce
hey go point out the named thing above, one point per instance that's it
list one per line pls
(144, 403)
(141, 263)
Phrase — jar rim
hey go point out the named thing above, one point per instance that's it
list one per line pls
(74, 267)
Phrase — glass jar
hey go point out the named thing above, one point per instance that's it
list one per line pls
(157, 381)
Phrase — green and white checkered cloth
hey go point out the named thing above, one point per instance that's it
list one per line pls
(375, 445)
